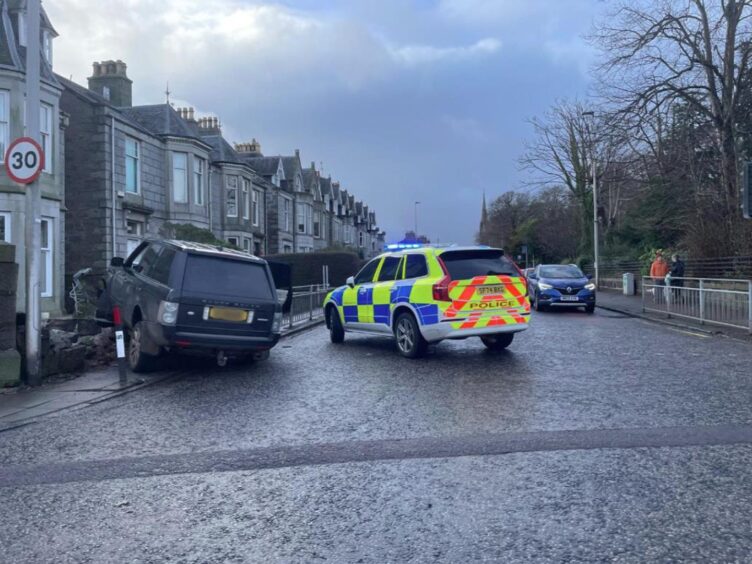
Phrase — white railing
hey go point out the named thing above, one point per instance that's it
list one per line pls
(716, 301)
(306, 305)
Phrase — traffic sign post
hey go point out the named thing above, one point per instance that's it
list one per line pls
(27, 175)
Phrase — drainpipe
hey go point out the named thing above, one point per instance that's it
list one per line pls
(112, 183)
(209, 198)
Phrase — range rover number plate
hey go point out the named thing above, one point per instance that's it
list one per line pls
(230, 314)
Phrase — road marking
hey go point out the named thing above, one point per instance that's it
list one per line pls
(690, 333)
(372, 451)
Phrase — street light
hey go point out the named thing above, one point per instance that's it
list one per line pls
(589, 116)
(416, 219)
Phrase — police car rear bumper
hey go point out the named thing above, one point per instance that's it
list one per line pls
(444, 330)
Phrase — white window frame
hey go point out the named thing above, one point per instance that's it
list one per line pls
(199, 167)
(256, 212)
(47, 46)
(184, 188)
(286, 205)
(22, 29)
(231, 185)
(137, 158)
(248, 245)
(133, 238)
(317, 224)
(48, 258)
(301, 219)
(7, 219)
(46, 134)
(4, 123)
(246, 198)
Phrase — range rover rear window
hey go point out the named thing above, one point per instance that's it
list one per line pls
(222, 277)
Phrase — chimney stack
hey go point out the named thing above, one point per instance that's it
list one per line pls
(110, 80)
(209, 125)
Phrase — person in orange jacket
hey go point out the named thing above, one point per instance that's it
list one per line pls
(659, 269)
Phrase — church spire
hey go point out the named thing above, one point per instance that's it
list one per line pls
(483, 230)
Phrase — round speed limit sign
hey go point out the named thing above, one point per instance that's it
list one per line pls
(24, 160)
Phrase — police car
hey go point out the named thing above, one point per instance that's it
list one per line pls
(425, 295)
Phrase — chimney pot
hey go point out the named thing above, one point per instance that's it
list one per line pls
(297, 153)
(190, 114)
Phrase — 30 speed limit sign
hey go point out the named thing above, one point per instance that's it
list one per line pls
(24, 160)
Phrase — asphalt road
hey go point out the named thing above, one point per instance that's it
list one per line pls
(594, 438)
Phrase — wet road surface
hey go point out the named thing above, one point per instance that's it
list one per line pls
(593, 438)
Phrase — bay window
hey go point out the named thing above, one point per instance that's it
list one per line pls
(180, 177)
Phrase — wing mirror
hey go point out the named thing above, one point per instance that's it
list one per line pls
(532, 276)
(117, 262)
(589, 276)
(350, 282)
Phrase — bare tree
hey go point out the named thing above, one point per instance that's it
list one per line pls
(694, 52)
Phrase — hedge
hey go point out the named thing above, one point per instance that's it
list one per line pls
(307, 267)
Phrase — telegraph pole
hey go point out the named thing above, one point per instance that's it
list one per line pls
(33, 201)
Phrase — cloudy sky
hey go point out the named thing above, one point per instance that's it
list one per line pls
(401, 100)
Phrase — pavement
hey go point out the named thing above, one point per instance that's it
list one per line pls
(20, 406)
(616, 301)
(593, 438)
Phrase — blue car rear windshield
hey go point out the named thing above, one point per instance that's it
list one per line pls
(226, 278)
(465, 265)
(561, 271)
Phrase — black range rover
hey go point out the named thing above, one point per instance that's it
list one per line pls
(192, 297)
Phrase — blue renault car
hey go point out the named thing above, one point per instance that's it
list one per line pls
(561, 285)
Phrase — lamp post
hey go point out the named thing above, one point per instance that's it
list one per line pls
(589, 115)
(416, 219)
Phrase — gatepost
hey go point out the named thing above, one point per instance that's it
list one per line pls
(10, 358)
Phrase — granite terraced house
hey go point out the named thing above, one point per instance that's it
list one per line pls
(52, 121)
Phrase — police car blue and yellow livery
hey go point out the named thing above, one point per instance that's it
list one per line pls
(425, 295)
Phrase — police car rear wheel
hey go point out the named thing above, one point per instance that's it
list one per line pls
(336, 331)
(498, 342)
(410, 342)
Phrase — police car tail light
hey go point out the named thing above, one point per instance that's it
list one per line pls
(441, 290)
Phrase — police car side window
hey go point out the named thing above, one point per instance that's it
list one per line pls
(389, 269)
(366, 273)
(416, 266)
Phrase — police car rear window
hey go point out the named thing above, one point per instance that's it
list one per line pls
(463, 265)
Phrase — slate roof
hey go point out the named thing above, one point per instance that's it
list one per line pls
(221, 150)
(160, 119)
(96, 99)
(13, 55)
(310, 177)
(264, 166)
(291, 166)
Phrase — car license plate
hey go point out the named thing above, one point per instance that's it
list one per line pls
(230, 314)
(570, 299)
(490, 290)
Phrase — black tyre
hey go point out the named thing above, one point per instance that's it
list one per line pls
(336, 331)
(590, 308)
(138, 360)
(498, 342)
(410, 341)
(538, 305)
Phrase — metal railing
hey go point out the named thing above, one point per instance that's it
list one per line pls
(718, 301)
(306, 305)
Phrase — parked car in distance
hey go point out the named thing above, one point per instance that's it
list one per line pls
(193, 298)
(561, 285)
